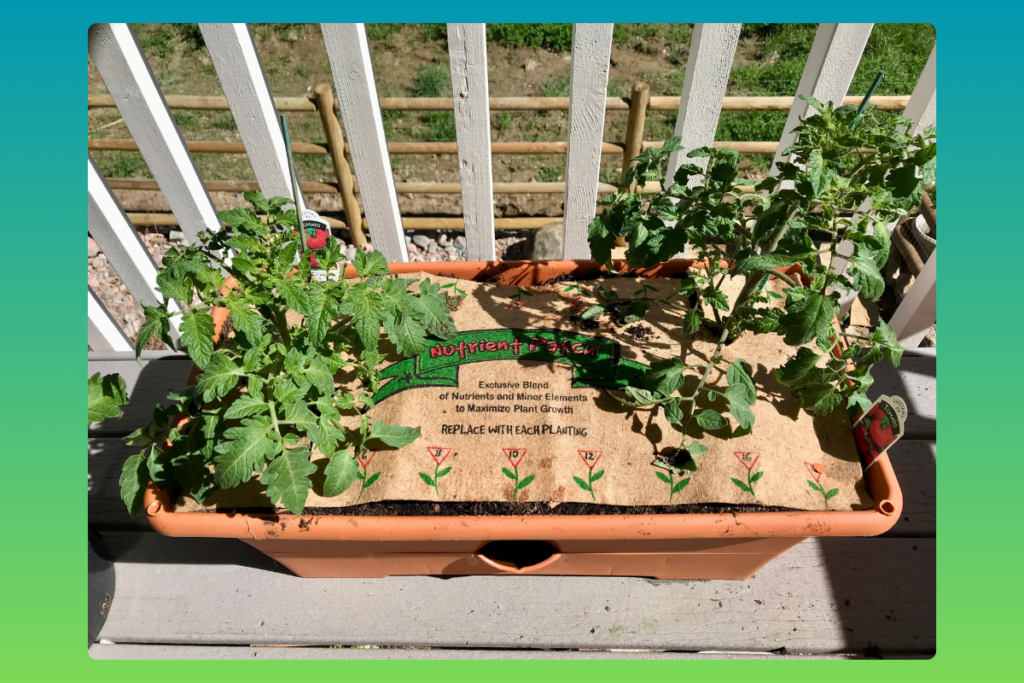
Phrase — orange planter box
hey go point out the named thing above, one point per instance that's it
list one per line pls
(668, 546)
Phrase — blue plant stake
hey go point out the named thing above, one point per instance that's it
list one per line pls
(864, 102)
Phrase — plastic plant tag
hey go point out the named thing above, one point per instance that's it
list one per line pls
(317, 232)
(311, 222)
(879, 427)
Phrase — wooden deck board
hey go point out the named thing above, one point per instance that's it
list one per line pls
(824, 596)
(105, 652)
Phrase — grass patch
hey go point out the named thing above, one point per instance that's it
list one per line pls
(554, 37)
(382, 31)
(502, 122)
(556, 87)
(435, 81)
(549, 174)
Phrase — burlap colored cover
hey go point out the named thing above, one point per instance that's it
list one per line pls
(520, 398)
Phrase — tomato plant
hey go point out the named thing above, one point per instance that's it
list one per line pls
(845, 180)
(267, 394)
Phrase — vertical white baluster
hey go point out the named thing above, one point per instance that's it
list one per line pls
(349, 56)
(118, 239)
(467, 55)
(104, 332)
(127, 76)
(917, 312)
(233, 52)
(588, 88)
(712, 50)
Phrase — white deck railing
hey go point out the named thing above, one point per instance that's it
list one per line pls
(831, 64)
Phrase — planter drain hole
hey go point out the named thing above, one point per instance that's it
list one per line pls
(517, 554)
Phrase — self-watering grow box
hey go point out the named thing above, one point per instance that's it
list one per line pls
(691, 545)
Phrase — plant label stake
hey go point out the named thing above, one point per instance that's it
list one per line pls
(879, 428)
(515, 456)
(439, 455)
(590, 459)
(318, 231)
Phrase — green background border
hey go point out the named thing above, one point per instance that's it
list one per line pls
(44, 563)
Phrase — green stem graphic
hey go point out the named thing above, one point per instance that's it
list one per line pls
(437, 466)
(750, 483)
(590, 481)
(515, 486)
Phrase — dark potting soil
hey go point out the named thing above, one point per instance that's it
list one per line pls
(508, 509)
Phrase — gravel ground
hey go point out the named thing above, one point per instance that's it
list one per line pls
(437, 246)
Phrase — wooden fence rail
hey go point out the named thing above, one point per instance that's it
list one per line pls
(613, 104)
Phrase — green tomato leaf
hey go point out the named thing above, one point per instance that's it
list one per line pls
(697, 449)
(197, 335)
(665, 376)
(508, 473)
(366, 310)
(525, 482)
(582, 484)
(807, 318)
(716, 298)
(866, 278)
(287, 479)
(818, 173)
(770, 262)
(322, 310)
(220, 376)
(340, 473)
(664, 477)
(693, 320)
(798, 367)
(245, 406)
(885, 336)
(711, 420)
(294, 294)
(738, 377)
(244, 451)
(156, 323)
(106, 396)
(370, 264)
(674, 413)
(393, 436)
(407, 334)
(822, 398)
(739, 407)
(680, 485)
(133, 481)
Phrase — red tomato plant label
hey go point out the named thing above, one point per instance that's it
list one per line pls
(880, 427)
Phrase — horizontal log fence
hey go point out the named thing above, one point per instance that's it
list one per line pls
(408, 222)
(401, 188)
(660, 103)
(309, 148)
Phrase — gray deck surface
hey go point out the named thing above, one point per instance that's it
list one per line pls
(216, 598)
